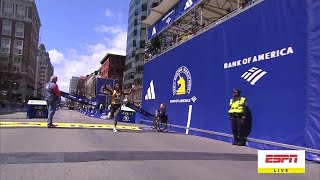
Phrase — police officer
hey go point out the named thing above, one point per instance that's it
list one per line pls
(237, 115)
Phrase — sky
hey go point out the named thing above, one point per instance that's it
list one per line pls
(79, 33)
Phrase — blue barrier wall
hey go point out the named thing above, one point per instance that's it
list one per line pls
(101, 96)
(180, 9)
(270, 52)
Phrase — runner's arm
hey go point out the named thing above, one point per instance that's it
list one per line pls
(107, 89)
(129, 91)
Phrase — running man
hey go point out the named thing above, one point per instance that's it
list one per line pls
(116, 96)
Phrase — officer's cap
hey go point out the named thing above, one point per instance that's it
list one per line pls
(236, 90)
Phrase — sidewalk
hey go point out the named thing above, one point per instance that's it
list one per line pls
(12, 110)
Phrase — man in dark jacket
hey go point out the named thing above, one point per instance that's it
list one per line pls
(53, 97)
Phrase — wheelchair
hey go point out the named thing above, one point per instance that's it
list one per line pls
(162, 124)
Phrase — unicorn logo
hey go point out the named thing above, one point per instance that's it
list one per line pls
(182, 81)
(182, 86)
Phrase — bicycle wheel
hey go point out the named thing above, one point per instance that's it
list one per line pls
(168, 126)
(161, 126)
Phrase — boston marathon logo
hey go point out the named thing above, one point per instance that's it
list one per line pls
(125, 118)
(39, 113)
(182, 83)
(259, 58)
(179, 81)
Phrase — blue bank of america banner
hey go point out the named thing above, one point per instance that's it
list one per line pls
(100, 97)
(182, 7)
(275, 63)
(78, 98)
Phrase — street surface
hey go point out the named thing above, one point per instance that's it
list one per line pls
(100, 154)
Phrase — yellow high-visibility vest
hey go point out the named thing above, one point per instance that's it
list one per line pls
(237, 106)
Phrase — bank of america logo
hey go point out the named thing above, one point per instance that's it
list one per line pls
(154, 31)
(188, 4)
(253, 75)
(150, 93)
(193, 99)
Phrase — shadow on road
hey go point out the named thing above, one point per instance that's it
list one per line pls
(25, 158)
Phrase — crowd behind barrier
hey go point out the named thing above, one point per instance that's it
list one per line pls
(168, 40)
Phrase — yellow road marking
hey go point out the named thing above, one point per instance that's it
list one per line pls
(67, 125)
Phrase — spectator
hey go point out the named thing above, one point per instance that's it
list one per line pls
(101, 108)
(53, 97)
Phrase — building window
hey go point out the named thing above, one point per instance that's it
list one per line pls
(19, 30)
(7, 9)
(142, 44)
(4, 59)
(155, 4)
(18, 47)
(30, 10)
(139, 57)
(21, 11)
(4, 67)
(143, 32)
(5, 45)
(6, 27)
(17, 59)
(144, 7)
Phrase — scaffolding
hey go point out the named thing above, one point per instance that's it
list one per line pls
(203, 16)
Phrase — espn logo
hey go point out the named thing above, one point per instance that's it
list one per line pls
(281, 161)
(281, 158)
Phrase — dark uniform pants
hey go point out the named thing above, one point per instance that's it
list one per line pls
(237, 125)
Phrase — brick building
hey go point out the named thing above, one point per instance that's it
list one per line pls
(81, 87)
(19, 34)
(90, 84)
(44, 71)
(112, 67)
